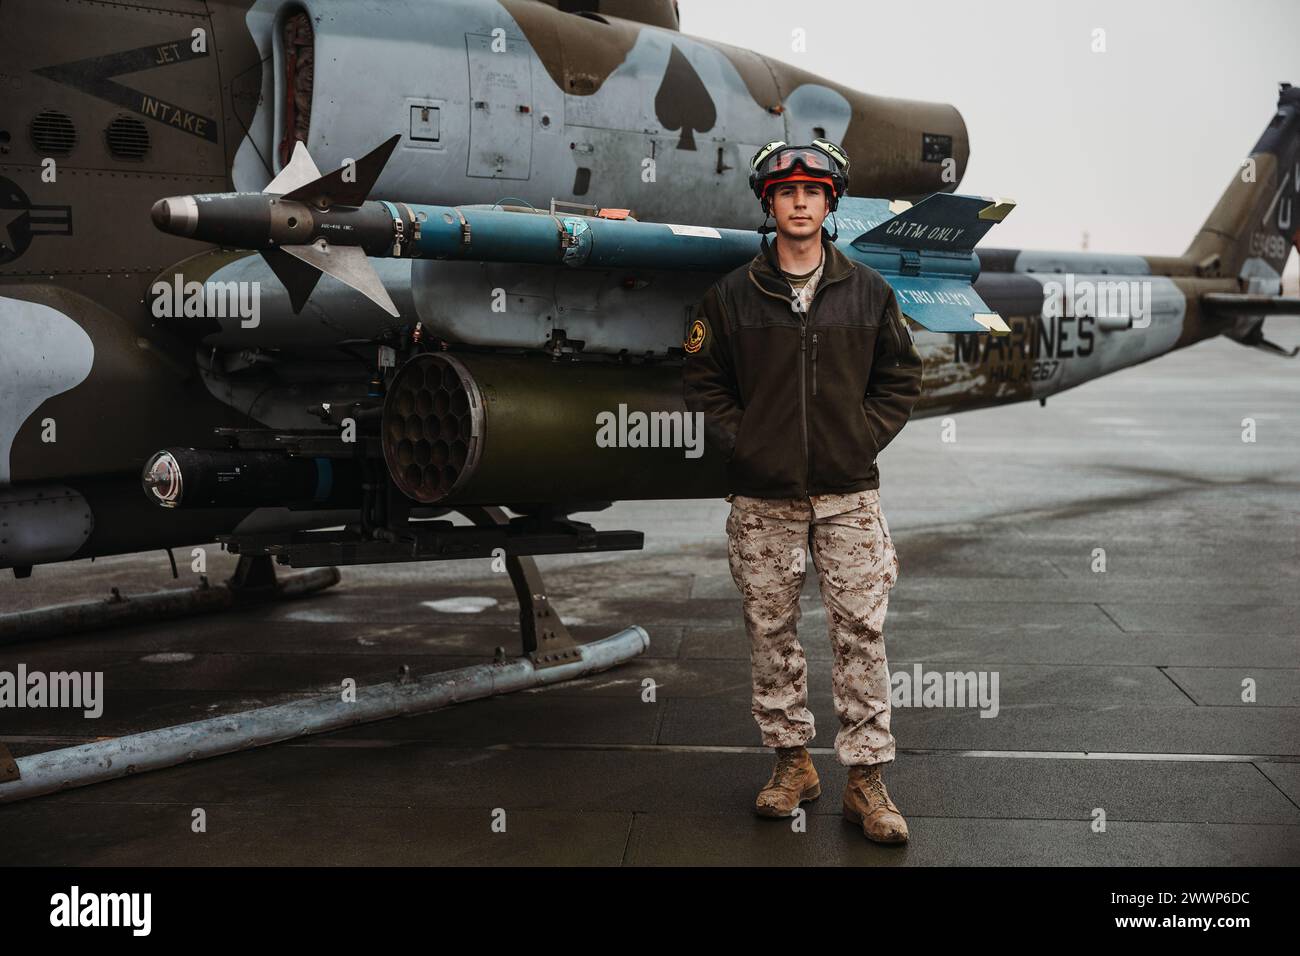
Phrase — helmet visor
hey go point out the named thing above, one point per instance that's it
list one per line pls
(784, 160)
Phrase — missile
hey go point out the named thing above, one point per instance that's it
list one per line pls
(305, 223)
(302, 223)
(203, 478)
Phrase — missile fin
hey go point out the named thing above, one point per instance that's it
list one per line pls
(298, 278)
(350, 266)
(993, 322)
(333, 190)
(942, 222)
(945, 304)
(300, 171)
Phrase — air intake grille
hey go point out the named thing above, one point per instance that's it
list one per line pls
(127, 138)
(53, 132)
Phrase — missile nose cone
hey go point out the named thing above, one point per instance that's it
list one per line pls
(162, 474)
(178, 215)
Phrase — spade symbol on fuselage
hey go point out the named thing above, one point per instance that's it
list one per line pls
(683, 102)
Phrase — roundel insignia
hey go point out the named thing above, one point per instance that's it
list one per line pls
(22, 220)
(695, 337)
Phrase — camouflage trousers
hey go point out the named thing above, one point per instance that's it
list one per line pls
(768, 540)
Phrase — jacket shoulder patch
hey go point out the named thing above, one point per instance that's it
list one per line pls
(695, 336)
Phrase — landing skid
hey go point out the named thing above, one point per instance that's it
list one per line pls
(8, 766)
(102, 760)
(545, 638)
(253, 582)
(550, 654)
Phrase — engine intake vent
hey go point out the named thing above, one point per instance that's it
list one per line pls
(127, 138)
(53, 132)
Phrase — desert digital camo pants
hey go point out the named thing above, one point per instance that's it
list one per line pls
(768, 540)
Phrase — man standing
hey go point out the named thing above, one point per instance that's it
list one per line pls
(805, 370)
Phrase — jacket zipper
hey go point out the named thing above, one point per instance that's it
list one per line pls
(803, 406)
(814, 361)
(803, 332)
(805, 319)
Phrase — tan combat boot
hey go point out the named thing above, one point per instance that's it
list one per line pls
(793, 780)
(866, 802)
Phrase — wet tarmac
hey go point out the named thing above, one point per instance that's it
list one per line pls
(1121, 735)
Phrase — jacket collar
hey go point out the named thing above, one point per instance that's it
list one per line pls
(765, 268)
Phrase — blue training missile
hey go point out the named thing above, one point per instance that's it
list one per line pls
(305, 223)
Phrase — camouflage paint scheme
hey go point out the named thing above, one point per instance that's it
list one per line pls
(849, 541)
(594, 92)
(1242, 248)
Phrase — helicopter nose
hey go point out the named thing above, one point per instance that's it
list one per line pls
(178, 215)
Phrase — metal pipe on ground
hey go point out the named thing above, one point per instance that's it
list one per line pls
(102, 760)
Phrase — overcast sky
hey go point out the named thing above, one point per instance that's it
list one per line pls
(1133, 145)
